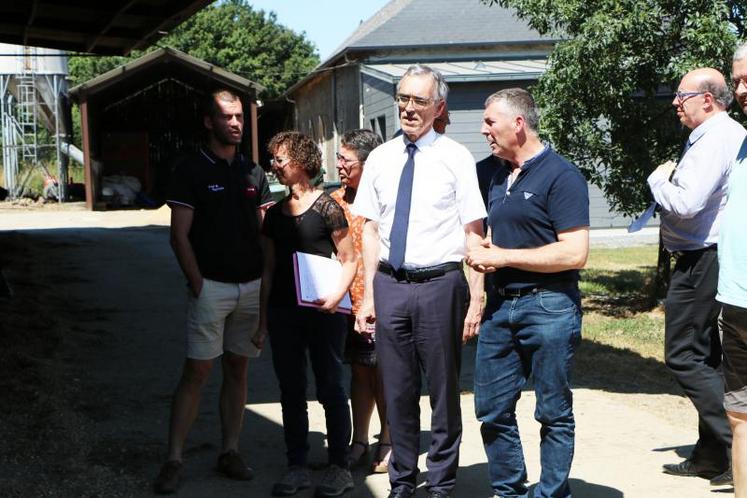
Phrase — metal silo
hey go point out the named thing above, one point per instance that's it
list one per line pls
(33, 88)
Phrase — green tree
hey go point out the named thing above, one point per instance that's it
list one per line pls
(231, 35)
(606, 96)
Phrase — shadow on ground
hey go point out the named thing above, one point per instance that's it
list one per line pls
(602, 367)
(618, 293)
(92, 355)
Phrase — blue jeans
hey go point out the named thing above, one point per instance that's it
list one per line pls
(533, 334)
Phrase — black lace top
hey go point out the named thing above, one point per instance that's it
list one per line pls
(309, 232)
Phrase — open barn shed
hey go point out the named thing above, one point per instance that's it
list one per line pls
(136, 119)
(113, 27)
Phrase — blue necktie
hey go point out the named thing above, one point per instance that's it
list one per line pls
(398, 235)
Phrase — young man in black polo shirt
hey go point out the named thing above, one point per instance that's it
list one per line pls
(538, 217)
(216, 199)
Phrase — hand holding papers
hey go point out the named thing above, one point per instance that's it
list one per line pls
(666, 169)
(316, 278)
(642, 219)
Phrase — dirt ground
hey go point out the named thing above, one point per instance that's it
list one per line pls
(91, 347)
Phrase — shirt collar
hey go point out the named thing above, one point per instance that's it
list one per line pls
(706, 125)
(210, 156)
(423, 141)
(532, 160)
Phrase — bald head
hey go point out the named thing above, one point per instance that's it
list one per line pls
(707, 79)
(701, 94)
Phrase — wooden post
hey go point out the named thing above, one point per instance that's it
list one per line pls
(87, 166)
(255, 133)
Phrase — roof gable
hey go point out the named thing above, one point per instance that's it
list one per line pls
(413, 23)
(146, 66)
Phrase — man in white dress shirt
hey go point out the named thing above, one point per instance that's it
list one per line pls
(692, 198)
(420, 197)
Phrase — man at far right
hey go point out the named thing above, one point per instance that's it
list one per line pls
(732, 291)
(692, 195)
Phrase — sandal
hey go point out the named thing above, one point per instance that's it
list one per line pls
(354, 461)
(381, 464)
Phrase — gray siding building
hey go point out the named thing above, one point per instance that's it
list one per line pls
(478, 49)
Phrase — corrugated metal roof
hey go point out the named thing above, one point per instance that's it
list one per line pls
(475, 70)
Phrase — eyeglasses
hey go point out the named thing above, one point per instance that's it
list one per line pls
(683, 96)
(280, 161)
(344, 160)
(417, 102)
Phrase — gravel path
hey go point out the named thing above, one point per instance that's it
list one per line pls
(111, 288)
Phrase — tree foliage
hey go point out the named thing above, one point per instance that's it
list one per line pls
(231, 35)
(606, 96)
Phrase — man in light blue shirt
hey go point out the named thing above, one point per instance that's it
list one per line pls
(732, 291)
(692, 195)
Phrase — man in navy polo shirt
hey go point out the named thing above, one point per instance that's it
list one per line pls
(538, 218)
(216, 199)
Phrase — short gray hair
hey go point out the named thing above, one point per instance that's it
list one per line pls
(442, 89)
(720, 91)
(740, 53)
(520, 103)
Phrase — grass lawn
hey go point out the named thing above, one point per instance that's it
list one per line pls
(623, 346)
(617, 285)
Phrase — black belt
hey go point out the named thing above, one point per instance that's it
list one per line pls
(692, 252)
(418, 275)
(532, 289)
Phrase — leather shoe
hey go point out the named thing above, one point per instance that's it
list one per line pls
(168, 478)
(687, 468)
(724, 479)
(232, 466)
(402, 492)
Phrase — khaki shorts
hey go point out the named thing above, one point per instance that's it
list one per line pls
(733, 328)
(224, 317)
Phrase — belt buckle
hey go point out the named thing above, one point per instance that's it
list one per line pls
(416, 276)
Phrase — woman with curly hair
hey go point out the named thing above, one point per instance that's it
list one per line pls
(308, 221)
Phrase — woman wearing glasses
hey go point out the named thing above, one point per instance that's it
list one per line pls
(308, 221)
(366, 389)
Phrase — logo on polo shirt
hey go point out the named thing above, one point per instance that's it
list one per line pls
(250, 192)
(216, 188)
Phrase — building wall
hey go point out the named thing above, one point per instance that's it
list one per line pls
(314, 115)
(325, 108)
(378, 106)
(347, 100)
